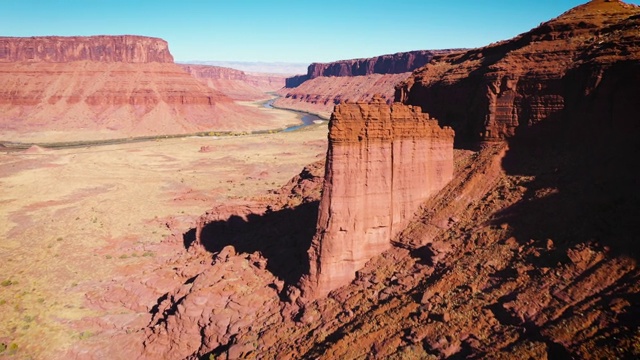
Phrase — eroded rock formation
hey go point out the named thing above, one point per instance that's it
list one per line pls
(60, 49)
(327, 84)
(383, 162)
(397, 63)
(105, 87)
(529, 252)
(579, 68)
(234, 83)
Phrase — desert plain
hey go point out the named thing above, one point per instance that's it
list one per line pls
(78, 220)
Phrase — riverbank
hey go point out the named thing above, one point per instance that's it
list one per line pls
(297, 120)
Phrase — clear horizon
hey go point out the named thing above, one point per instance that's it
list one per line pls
(286, 31)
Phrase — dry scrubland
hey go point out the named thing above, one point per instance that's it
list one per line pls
(72, 220)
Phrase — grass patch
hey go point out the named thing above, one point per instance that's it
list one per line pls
(85, 335)
(8, 283)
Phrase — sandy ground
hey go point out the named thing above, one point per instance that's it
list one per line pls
(72, 219)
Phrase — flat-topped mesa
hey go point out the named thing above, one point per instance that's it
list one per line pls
(397, 63)
(383, 161)
(62, 49)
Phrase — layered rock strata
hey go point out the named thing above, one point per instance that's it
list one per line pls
(397, 63)
(85, 88)
(234, 83)
(383, 162)
(328, 84)
(580, 68)
(60, 49)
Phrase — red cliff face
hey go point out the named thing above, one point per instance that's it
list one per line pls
(327, 84)
(236, 83)
(383, 162)
(581, 67)
(107, 86)
(58, 49)
(385, 64)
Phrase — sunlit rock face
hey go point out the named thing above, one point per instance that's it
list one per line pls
(383, 162)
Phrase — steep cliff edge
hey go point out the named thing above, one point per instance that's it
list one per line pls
(397, 63)
(580, 69)
(60, 49)
(236, 84)
(99, 87)
(327, 84)
(383, 162)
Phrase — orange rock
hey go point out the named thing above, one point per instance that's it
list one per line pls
(563, 70)
(235, 83)
(383, 162)
(108, 87)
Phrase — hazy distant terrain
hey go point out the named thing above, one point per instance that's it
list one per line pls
(257, 66)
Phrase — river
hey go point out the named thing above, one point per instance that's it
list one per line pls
(306, 118)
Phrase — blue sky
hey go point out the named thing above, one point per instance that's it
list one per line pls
(282, 30)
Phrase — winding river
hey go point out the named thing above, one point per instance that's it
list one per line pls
(306, 118)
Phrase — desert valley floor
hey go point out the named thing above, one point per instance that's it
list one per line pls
(82, 219)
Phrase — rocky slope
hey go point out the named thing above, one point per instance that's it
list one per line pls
(327, 84)
(236, 84)
(580, 68)
(383, 162)
(105, 87)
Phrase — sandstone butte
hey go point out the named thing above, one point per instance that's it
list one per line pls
(382, 163)
(107, 86)
(327, 84)
(236, 84)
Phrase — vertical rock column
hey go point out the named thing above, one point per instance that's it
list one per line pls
(383, 162)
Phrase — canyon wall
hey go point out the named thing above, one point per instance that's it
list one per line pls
(295, 81)
(86, 88)
(562, 72)
(59, 49)
(383, 162)
(234, 83)
(320, 95)
(397, 63)
(327, 84)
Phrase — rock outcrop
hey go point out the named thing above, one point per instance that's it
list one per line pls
(85, 88)
(60, 49)
(383, 162)
(580, 68)
(295, 81)
(327, 84)
(234, 83)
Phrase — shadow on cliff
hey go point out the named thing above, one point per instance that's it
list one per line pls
(581, 185)
(283, 237)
